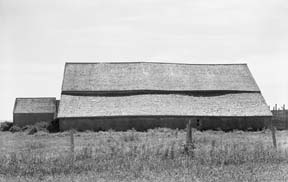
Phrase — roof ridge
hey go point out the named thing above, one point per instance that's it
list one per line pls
(36, 98)
(143, 62)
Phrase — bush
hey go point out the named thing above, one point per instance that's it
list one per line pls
(41, 126)
(32, 130)
(53, 126)
(5, 126)
(14, 129)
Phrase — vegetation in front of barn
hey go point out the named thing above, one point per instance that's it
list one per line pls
(44, 126)
(124, 156)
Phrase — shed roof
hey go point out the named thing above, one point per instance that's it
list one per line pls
(157, 76)
(35, 105)
(240, 104)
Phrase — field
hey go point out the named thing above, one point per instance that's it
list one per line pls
(156, 155)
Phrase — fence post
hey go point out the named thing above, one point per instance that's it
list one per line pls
(285, 117)
(189, 147)
(72, 141)
(274, 136)
(189, 134)
(72, 156)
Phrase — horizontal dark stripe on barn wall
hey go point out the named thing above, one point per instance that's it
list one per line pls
(142, 123)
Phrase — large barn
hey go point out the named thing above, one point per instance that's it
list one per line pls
(142, 95)
(28, 111)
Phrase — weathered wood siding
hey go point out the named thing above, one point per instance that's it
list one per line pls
(23, 119)
(144, 123)
(280, 119)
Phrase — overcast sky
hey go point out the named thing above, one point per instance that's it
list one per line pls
(38, 36)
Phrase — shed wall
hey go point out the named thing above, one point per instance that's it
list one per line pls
(144, 123)
(23, 119)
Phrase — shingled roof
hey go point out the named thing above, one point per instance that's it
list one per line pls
(177, 90)
(240, 104)
(35, 105)
(93, 77)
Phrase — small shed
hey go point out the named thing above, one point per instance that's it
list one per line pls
(28, 111)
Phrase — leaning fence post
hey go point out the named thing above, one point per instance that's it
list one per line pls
(274, 136)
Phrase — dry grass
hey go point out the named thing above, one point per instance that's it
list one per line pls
(156, 155)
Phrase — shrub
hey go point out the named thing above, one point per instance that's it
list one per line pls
(41, 126)
(5, 126)
(14, 129)
(32, 130)
(53, 126)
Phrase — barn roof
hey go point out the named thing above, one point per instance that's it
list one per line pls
(157, 76)
(35, 105)
(240, 104)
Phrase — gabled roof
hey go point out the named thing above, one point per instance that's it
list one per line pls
(92, 77)
(240, 104)
(35, 105)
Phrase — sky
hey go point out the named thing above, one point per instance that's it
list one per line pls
(37, 37)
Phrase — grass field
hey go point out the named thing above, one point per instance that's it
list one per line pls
(156, 155)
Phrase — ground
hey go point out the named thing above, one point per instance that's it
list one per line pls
(156, 155)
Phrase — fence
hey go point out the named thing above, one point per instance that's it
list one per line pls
(280, 118)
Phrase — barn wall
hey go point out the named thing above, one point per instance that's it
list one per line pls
(57, 102)
(144, 123)
(23, 119)
(241, 123)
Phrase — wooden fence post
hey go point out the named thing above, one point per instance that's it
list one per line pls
(285, 118)
(72, 141)
(189, 147)
(189, 134)
(72, 156)
(274, 136)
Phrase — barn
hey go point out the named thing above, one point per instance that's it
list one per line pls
(28, 111)
(143, 95)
